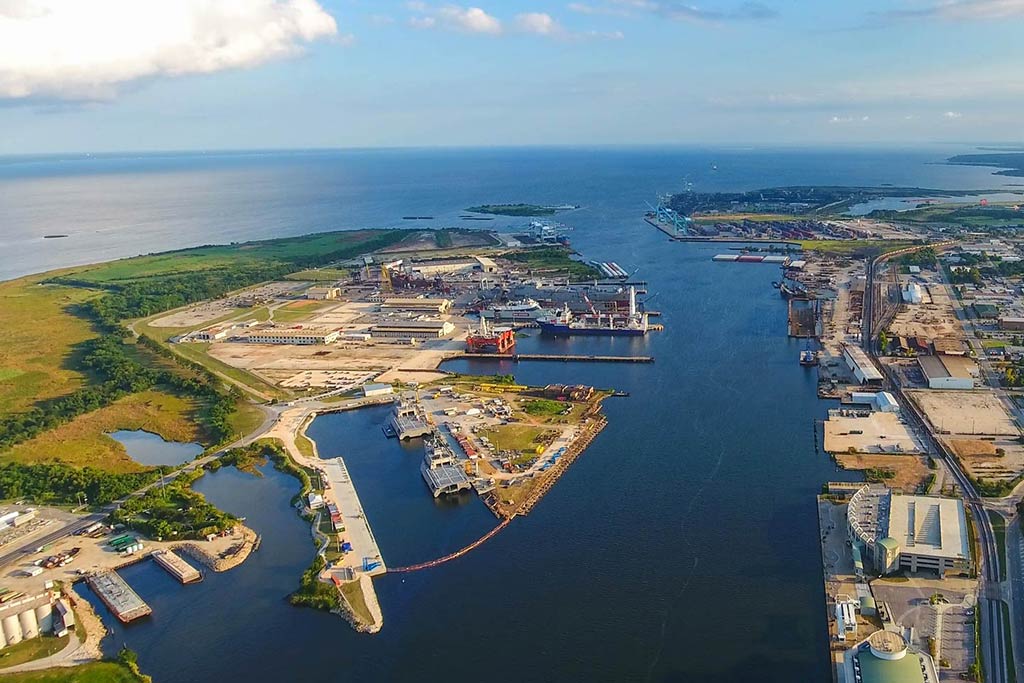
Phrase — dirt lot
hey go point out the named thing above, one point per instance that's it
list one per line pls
(965, 412)
(932, 318)
(910, 470)
(983, 460)
(880, 433)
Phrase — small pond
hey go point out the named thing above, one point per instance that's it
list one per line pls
(147, 448)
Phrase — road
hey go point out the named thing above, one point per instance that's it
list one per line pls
(29, 546)
(994, 623)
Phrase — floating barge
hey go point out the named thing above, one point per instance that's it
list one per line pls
(118, 596)
(177, 567)
(565, 358)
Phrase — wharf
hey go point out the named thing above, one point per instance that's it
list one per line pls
(176, 566)
(517, 357)
(668, 230)
(118, 596)
(357, 527)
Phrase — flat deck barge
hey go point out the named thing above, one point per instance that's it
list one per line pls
(177, 567)
(118, 596)
(517, 357)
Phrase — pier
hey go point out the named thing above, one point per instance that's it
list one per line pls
(118, 596)
(357, 527)
(177, 567)
(517, 357)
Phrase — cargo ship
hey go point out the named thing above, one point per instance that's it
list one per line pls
(565, 324)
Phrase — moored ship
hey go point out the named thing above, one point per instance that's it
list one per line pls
(564, 323)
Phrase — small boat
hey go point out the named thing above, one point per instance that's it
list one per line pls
(808, 357)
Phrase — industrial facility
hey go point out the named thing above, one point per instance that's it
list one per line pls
(915, 533)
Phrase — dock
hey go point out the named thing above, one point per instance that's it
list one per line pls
(118, 596)
(177, 567)
(357, 527)
(517, 357)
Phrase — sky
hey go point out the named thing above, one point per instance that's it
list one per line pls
(136, 75)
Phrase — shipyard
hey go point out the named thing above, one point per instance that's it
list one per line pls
(379, 330)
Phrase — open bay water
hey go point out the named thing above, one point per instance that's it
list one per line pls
(681, 546)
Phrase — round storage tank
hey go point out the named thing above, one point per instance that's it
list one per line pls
(44, 616)
(29, 625)
(12, 629)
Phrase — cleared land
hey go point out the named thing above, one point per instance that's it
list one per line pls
(518, 437)
(84, 440)
(965, 412)
(908, 471)
(879, 433)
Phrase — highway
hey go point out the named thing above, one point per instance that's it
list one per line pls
(994, 624)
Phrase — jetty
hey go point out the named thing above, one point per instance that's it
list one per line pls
(118, 596)
(517, 357)
(357, 527)
(176, 566)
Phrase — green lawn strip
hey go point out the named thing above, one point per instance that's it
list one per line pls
(31, 650)
(96, 672)
(196, 352)
(999, 530)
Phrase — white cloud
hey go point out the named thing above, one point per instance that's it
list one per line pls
(78, 50)
(680, 10)
(849, 119)
(953, 115)
(539, 23)
(454, 18)
(965, 10)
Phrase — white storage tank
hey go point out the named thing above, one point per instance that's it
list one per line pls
(44, 616)
(29, 625)
(11, 629)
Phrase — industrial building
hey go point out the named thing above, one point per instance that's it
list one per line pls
(882, 401)
(1014, 324)
(915, 533)
(293, 336)
(413, 329)
(29, 617)
(863, 369)
(913, 294)
(211, 334)
(417, 305)
(376, 389)
(948, 372)
(885, 657)
(322, 293)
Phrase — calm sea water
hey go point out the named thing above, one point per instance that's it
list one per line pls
(681, 546)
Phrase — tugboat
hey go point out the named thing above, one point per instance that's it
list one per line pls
(808, 357)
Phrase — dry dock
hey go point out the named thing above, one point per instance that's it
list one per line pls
(118, 596)
(177, 567)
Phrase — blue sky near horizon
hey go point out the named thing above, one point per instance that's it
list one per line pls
(355, 73)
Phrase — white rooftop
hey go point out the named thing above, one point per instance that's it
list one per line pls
(929, 525)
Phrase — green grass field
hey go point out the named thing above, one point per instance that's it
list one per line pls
(853, 247)
(319, 275)
(31, 650)
(37, 340)
(84, 440)
(97, 672)
(514, 437)
(287, 250)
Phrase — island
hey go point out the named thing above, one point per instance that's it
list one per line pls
(521, 209)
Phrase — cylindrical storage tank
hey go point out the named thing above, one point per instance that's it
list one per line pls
(12, 629)
(29, 625)
(44, 616)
